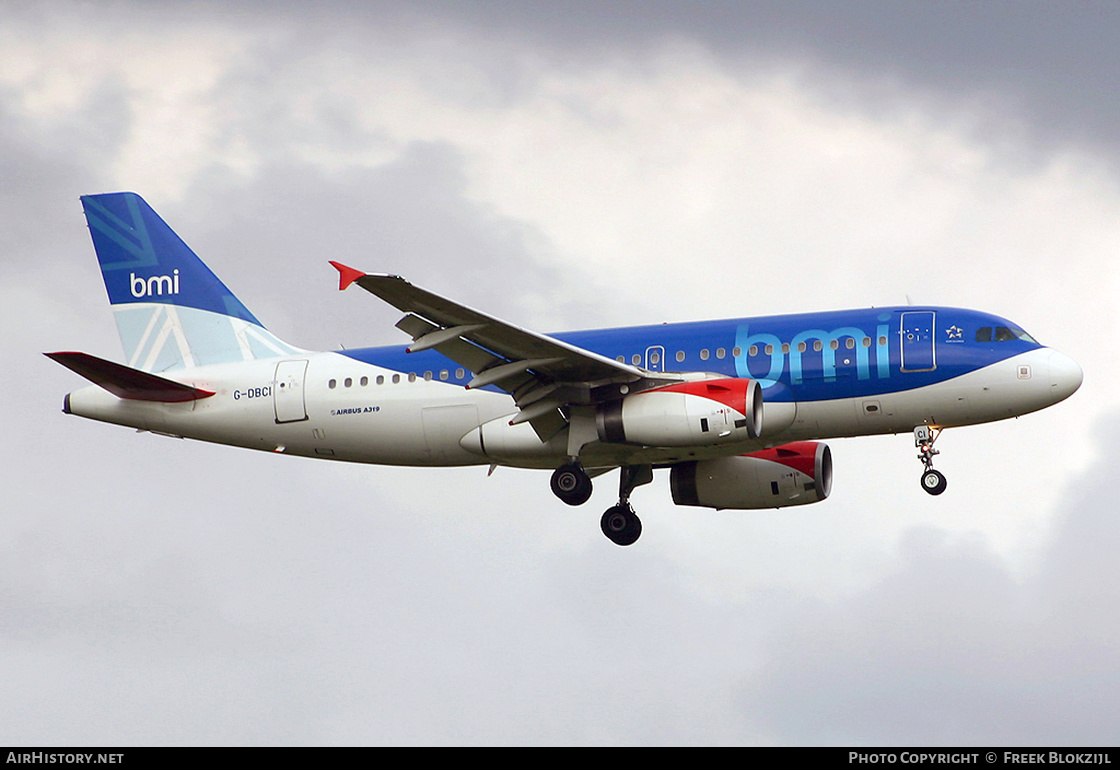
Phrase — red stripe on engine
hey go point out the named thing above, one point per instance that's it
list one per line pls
(801, 456)
(730, 392)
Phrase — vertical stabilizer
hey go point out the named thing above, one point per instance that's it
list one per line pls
(172, 312)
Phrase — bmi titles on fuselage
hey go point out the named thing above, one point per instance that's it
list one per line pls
(849, 341)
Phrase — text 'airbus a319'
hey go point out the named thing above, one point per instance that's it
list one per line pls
(735, 409)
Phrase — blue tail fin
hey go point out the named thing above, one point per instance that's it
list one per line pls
(172, 312)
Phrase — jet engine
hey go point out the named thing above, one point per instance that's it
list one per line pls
(792, 474)
(685, 414)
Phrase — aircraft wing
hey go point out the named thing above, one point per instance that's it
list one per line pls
(542, 373)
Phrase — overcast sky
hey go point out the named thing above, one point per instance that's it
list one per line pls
(562, 165)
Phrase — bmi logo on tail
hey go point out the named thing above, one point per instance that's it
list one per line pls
(154, 285)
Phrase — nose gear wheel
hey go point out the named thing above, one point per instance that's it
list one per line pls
(933, 481)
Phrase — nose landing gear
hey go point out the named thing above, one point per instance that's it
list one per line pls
(933, 481)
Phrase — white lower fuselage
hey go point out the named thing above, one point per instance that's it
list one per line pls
(335, 408)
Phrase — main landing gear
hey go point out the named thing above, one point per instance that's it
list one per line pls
(932, 481)
(571, 484)
(620, 524)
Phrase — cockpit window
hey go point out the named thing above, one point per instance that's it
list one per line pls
(1007, 333)
(1002, 334)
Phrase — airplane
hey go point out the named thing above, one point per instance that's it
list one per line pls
(737, 410)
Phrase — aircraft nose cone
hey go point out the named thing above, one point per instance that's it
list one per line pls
(1065, 375)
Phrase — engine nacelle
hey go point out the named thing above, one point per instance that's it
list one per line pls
(792, 474)
(685, 414)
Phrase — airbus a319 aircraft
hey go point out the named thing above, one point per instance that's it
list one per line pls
(735, 409)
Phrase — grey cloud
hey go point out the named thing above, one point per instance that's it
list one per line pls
(1045, 72)
(269, 236)
(950, 648)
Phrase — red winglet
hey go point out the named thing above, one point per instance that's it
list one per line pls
(346, 275)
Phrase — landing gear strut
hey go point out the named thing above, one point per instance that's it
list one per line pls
(932, 481)
(620, 524)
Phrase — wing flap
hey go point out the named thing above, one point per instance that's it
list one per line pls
(502, 372)
(439, 336)
(125, 382)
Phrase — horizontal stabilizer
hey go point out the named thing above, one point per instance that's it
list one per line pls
(125, 382)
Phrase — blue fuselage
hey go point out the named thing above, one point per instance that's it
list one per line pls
(802, 357)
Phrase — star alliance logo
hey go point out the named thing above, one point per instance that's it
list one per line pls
(954, 334)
